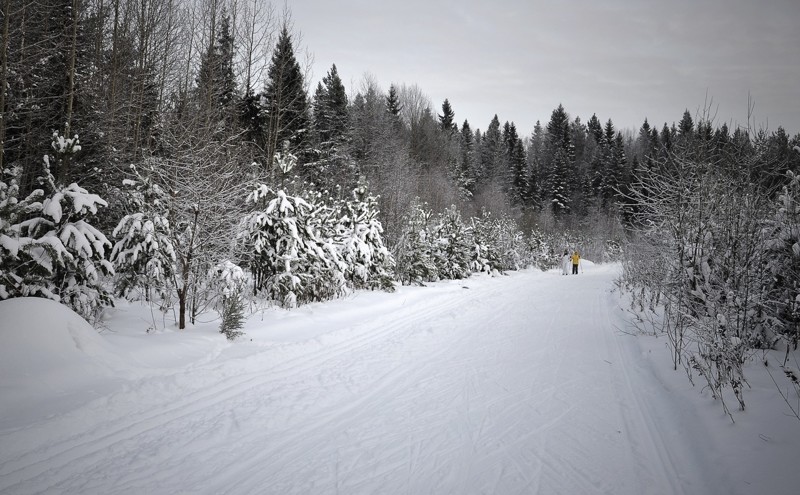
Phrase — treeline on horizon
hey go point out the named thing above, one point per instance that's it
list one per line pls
(221, 81)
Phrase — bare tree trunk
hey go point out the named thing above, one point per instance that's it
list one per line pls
(63, 168)
(257, 31)
(144, 44)
(3, 79)
(212, 37)
(187, 72)
(186, 270)
(165, 58)
(114, 62)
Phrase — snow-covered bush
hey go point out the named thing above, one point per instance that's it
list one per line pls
(358, 235)
(59, 254)
(486, 250)
(540, 250)
(414, 251)
(451, 243)
(444, 247)
(285, 251)
(143, 256)
(782, 258)
(701, 271)
(514, 251)
(229, 283)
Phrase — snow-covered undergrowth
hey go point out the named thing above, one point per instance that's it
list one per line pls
(525, 383)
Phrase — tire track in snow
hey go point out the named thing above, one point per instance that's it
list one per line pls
(92, 448)
(664, 466)
(397, 376)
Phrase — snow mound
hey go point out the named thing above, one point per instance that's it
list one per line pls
(47, 351)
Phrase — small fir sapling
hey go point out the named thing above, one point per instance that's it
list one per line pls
(230, 284)
(19, 270)
(358, 236)
(485, 250)
(415, 263)
(144, 255)
(451, 247)
(286, 251)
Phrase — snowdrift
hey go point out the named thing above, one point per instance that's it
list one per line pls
(49, 352)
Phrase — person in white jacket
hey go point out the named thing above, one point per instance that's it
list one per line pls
(566, 262)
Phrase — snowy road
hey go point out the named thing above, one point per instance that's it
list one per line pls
(516, 384)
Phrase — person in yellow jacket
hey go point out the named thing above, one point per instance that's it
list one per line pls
(576, 260)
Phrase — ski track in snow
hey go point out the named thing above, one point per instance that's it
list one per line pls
(521, 384)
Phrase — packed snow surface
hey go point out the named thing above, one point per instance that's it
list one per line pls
(525, 383)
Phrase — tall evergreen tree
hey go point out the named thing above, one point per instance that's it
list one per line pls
(585, 147)
(447, 117)
(534, 160)
(621, 170)
(537, 141)
(491, 152)
(286, 102)
(559, 187)
(393, 105)
(467, 163)
(557, 162)
(330, 107)
(330, 163)
(514, 161)
(520, 192)
(595, 128)
(686, 125)
(216, 81)
(607, 179)
(666, 138)
(644, 140)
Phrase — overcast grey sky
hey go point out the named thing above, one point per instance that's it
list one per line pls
(624, 60)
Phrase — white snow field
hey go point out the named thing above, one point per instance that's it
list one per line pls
(525, 383)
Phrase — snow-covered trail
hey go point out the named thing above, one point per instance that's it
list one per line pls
(518, 384)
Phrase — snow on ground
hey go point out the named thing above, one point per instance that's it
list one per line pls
(526, 383)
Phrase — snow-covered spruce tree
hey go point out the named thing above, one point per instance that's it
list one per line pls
(414, 251)
(359, 238)
(542, 252)
(513, 250)
(452, 243)
(486, 255)
(21, 274)
(285, 102)
(69, 251)
(143, 256)
(229, 283)
(289, 259)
